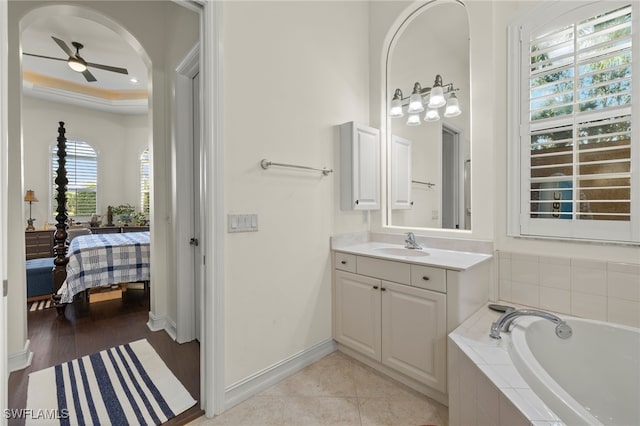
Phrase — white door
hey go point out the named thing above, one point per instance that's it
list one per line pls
(198, 261)
(414, 333)
(400, 173)
(451, 181)
(357, 311)
(366, 168)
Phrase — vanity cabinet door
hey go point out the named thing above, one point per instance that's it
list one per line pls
(400, 173)
(357, 313)
(414, 332)
(359, 167)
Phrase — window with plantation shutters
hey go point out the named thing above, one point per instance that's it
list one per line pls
(577, 141)
(82, 174)
(145, 181)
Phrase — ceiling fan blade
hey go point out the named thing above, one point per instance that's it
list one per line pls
(45, 57)
(64, 46)
(87, 74)
(108, 68)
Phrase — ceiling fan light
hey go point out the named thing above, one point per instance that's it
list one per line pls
(77, 65)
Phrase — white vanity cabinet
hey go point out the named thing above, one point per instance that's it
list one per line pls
(397, 314)
(359, 167)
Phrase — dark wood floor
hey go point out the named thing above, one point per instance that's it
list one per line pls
(88, 328)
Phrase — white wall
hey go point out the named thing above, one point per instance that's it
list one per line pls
(293, 71)
(118, 139)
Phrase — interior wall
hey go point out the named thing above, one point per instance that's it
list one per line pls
(293, 71)
(118, 139)
(154, 34)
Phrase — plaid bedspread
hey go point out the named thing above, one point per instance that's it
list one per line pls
(103, 259)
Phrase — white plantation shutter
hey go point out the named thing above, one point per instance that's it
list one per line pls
(82, 174)
(145, 181)
(577, 137)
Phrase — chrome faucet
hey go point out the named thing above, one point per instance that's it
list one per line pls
(563, 330)
(410, 242)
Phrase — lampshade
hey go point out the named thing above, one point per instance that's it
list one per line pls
(432, 114)
(437, 96)
(453, 109)
(413, 120)
(395, 110)
(415, 100)
(77, 64)
(30, 196)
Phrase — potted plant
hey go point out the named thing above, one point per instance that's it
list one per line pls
(124, 213)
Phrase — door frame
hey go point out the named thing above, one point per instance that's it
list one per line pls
(458, 166)
(183, 201)
(212, 356)
(4, 203)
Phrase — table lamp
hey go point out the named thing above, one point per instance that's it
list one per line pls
(30, 197)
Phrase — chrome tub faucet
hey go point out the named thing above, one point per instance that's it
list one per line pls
(563, 330)
(410, 242)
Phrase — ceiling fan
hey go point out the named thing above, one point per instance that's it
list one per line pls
(76, 62)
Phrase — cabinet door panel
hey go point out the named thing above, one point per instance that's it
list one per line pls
(414, 333)
(400, 173)
(366, 168)
(357, 310)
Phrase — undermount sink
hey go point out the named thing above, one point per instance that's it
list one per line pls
(397, 251)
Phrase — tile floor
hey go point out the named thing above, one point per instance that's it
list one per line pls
(337, 390)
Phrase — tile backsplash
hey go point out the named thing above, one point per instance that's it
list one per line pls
(607, 291)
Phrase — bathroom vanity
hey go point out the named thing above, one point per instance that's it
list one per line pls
(393, 307)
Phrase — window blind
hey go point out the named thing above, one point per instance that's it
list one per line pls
(145, 181)
(579, 127)
(82, 174)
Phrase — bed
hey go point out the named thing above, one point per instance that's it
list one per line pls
(95, 260)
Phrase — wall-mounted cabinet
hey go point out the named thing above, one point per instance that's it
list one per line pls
(400, 173)
(359, 167)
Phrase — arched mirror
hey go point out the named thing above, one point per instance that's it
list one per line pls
(428, 119)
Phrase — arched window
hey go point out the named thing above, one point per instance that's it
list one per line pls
(82, 174)
(145, 180)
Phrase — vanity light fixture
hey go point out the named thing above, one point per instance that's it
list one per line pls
(438, 96)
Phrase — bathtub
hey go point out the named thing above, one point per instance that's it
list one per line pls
(592, 378)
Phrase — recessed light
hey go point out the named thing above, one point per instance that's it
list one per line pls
(133, 80)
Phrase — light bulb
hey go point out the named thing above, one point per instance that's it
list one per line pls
(413, 120)
(453, 109)
(432, 114)
(437, 97)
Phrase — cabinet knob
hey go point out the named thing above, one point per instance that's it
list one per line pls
(375, 287)
(357, 202)
(411, 203)
(344, 262)
(383, 289)
(425, 278)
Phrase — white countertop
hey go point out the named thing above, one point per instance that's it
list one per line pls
(449, 259)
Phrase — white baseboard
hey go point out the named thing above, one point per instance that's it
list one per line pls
(19, 360)
(156, 323)
(268, 377)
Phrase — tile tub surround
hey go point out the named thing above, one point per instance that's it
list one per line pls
(605, 291)
(336, 390)
(484, 386)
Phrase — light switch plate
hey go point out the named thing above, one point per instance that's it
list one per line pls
(242, 223)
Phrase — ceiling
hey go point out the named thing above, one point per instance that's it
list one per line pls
(54, 80)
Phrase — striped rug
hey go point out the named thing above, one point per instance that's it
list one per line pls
(39, 305)
(128, 384)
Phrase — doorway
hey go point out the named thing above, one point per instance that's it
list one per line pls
(452, 180)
